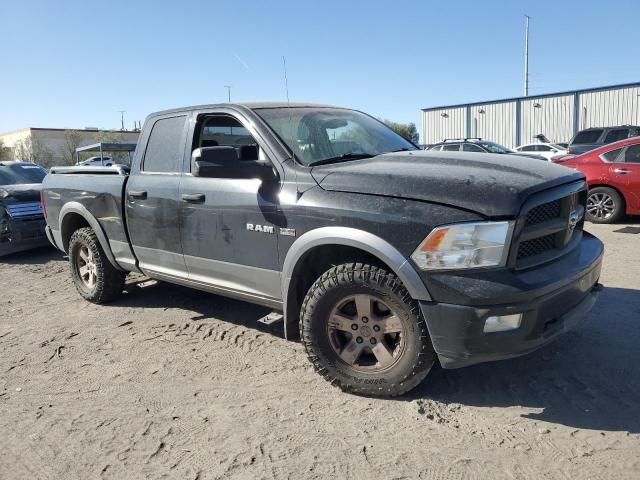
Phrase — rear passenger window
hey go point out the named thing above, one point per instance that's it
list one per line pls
(612, 155)
(617, 134)
(528, 148)
(451, 148)
(587, 136)
(164, 149)
(469, 147)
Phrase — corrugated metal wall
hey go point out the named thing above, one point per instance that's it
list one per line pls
(495, 122)
(443, 123)
(609, 107)
(552, 116)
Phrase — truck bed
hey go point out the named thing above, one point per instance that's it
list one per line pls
(98, 190)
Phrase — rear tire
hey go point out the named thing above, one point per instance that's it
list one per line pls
(364, 333)
(93, 275)
(604, 205)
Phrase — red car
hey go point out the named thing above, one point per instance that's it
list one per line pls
(613, 175)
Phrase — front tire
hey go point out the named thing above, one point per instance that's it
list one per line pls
(364, 333)
(93, 275)
(604, 205)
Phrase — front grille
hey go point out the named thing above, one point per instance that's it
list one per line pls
(24, 210)
(545, 230)
(544, 212)
(536, 246)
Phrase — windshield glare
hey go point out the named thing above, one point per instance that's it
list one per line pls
(496, 148)
(21, 174)
(324, 134)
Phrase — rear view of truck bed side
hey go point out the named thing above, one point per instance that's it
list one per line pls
(76, 198)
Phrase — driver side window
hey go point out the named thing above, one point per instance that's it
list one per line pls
(226, 131)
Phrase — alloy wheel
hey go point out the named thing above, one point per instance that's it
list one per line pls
(366, 334)
(86, 265)
(600, 206)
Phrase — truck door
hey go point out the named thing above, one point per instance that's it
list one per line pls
(153, 201)
(230, 233)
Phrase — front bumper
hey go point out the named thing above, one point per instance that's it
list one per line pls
(24, 235)
(550, 307)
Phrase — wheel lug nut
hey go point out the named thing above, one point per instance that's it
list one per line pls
(354, 327)
(376, 328)
(359, 340)
(365, 319)
(373, 341)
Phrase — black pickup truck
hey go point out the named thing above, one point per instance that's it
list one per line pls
(382, 257)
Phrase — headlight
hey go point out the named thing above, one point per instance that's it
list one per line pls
(464, 245)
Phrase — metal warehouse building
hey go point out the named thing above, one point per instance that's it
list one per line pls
(515, 121)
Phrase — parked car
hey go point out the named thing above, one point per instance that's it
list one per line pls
(96, 162)
(592, 138)
(546, 150)
(478, 145)
(613, 175)
(381, 256)
(21, 219)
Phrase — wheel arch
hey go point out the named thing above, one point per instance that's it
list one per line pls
(345, 244)
(73, 216)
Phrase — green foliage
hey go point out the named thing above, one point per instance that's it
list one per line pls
(406, 130)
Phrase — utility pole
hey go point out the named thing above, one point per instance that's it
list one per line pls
(228, 87)
(526, 56)
(122, 112)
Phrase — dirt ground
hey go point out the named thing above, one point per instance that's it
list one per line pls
(171, 383)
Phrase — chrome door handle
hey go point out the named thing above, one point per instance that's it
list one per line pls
(137, 194)
(193, 197)
(621, 170)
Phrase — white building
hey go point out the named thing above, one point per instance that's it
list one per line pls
(516, 121)
(56, 146)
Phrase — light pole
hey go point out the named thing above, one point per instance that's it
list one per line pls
(526, 56)
(228, 87)
(122, 112)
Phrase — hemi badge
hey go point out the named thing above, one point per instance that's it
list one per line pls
(289, 232)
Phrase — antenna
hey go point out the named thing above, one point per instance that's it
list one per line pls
(286, 89)
(286, 82)
(228, 87)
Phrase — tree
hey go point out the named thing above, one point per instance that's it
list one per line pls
(406, 130)
(30, 150)
(72, 140)
(5, 152)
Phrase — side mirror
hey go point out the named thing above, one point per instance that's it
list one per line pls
(223, 162)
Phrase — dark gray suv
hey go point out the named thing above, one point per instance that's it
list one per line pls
(592, 138)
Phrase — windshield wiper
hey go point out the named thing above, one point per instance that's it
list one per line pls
(339, 158)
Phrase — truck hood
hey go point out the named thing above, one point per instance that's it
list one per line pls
(489, 184)
(21, 193)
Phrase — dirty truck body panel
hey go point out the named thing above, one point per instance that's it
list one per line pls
(248, 237)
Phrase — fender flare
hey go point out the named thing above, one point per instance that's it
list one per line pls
(356, 238)
(78, 208)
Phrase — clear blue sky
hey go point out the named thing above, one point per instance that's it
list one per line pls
(75, 63)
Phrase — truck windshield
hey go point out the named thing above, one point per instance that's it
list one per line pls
(324, 135)
(21, 173)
